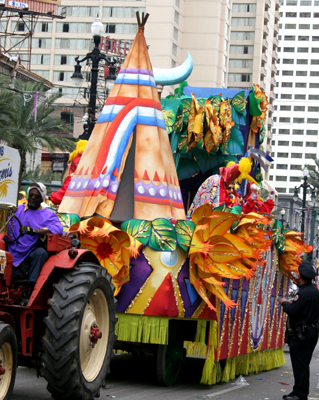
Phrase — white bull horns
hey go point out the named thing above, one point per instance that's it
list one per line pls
(173, 76)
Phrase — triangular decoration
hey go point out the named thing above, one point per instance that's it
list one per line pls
(163, 303)
(132, 111)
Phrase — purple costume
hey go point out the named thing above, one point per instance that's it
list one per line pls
(42, 218)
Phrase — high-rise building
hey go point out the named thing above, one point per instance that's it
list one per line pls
(232, 43)
(296, 126)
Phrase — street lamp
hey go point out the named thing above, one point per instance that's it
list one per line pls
(95, 56)
(282, 212)
(305, 185)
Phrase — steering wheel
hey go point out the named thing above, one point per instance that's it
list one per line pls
(13, 239)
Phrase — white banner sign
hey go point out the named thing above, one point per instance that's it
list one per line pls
(9, 176)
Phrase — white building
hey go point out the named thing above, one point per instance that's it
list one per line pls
(296, 121)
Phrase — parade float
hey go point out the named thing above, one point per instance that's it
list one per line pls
(207, 285)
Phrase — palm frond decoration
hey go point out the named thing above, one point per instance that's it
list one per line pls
(4, 187)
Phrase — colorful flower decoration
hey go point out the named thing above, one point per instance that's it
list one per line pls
(215, 253)
(113, 247)
(290, 259)
(195, 123)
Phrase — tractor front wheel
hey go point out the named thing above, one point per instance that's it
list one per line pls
(8, 360)
(80, 333)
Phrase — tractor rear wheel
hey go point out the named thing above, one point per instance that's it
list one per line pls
(80, 333)
(9, 360)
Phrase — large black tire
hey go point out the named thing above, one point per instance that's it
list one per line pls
(9, 360)
(74, 370)
(171, 356)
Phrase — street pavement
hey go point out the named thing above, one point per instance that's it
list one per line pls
(132, 379)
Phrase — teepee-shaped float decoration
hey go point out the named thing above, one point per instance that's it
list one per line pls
(127, 169)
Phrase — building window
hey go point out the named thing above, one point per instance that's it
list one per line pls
(281, 190)
(281, 178)
(297, 132)
(285, 96)
(289, 26)
(20, 26)
(289, 49)
(63, 60)
(289, 37)
(314, 85)
(282, 166)
(305, 3)
(316, 15)
(237, 35)
(301, 61)
(285, 108)
(300, 96)
(298, 120)
(284, 119)
(305, 15)
(315, 50)
(315, 26)
(310, 156)
(239, 63)
(296, 168)
(301, 84)
(311, 144)
(304, 26)
(174, 49)
(312, 132)
(175, 33)
(282, 155)
(303, 38)
(313, 109)
(297, 144)
(299, 108)
(66, 27)
(296, 155)
(239, 77)
(110, 28)
(302, 50)
(314, 73)
(44, 27)
(284, 131)
(312, 120)
(238, 21)
(315, 38)
(61, 76)
(244, 8)
(291, 14)
(241, 49)
(288, 61)
(291, 2)
(287, 73)
(313, 97)
(286, 84)
(283, 143)
(314, 62)
(176, 17)
(301, 73)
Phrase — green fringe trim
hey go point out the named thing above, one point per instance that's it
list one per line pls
(244, 364)
(142, 329)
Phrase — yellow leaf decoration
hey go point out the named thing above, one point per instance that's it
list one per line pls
(290, 259)
(113, 247)
(215, 253)
(213, 136)
(226, 122)
(257, 122)
(195, 123)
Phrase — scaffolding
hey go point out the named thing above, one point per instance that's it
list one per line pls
(17, 42)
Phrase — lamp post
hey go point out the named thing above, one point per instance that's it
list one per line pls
(95, 56)
(282, 219)
(305, 185)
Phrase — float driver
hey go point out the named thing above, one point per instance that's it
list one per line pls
(29, 252)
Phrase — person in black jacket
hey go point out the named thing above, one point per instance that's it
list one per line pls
(303, 314)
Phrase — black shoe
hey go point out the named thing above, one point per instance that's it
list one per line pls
(293, 397)
(287, 395)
